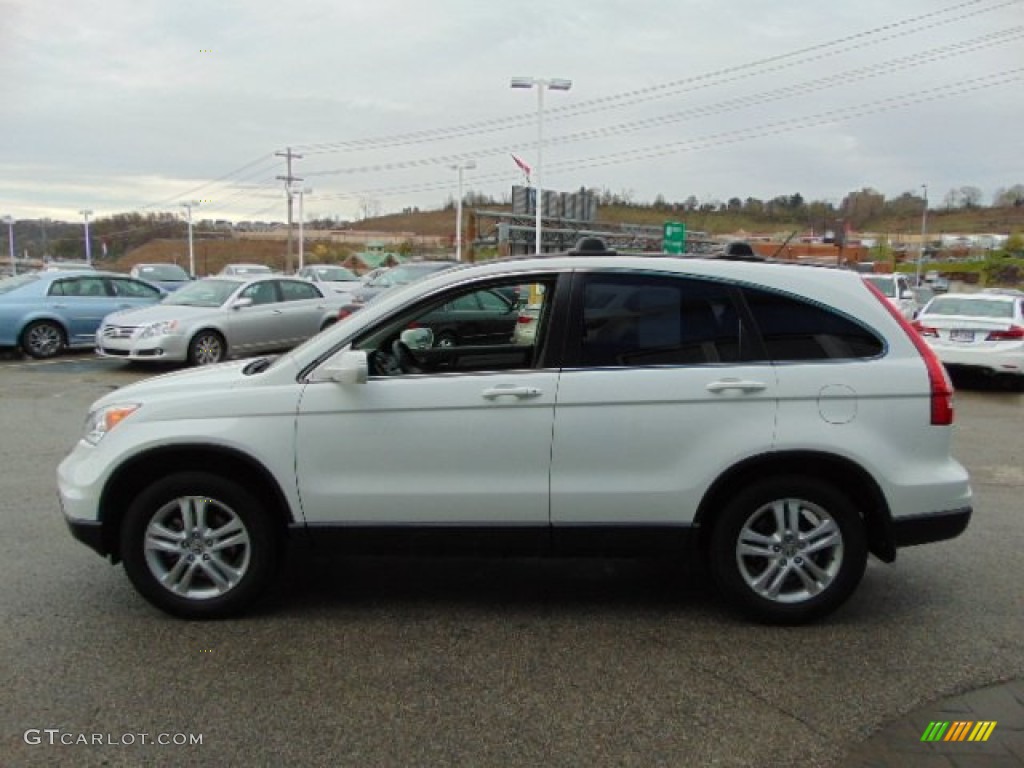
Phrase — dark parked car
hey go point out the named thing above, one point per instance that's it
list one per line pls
(482, 317)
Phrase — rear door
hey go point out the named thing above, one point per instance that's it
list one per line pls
(82, 302)
(303, 310)
(663, 387)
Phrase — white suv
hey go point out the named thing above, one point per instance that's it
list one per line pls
(780, 421)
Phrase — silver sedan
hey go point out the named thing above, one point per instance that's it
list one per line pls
(220, 317)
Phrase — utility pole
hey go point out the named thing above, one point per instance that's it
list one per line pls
(88, 245)
(10, 243)
(924, 234)
(289, 180)
(191, 253)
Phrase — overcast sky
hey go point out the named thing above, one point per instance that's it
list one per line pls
(138, 105)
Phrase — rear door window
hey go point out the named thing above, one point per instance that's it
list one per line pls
(793, 329)
(645, 320)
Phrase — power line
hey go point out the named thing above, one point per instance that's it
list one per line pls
(746, 134)
(800, 89)
(629, 98)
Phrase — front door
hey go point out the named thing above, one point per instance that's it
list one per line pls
(453, 436)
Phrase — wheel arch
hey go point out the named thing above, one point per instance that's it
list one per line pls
(44, 318)
(845, 475)
(135, 474)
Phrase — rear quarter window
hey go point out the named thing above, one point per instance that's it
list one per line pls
(793, 329)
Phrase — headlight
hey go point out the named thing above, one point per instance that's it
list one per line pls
(164, 328)
(102, 420)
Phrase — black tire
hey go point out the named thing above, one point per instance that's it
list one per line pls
(788, 574)
(446, 339)
(207, 348)
(43, 339)
(229, 546)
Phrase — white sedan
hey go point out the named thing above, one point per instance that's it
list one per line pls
(984, 331)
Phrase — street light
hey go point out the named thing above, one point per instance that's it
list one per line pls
(88, 245)
(10, 243)
(554, 84)
(460, 167)
(924, 229)
(191, 254)
(301, 192)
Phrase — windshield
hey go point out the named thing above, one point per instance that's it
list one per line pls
(168, 272)
(336, 274)
(249, 269)
(205, 293)
(14, 283)
(954, 305)
(408, 273)
(885, 284)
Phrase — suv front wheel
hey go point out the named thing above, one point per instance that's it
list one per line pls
(788, 550)
(199, 546)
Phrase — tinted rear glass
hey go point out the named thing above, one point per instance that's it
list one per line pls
(798, 330)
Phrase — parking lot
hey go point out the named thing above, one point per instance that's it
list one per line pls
(478, 663)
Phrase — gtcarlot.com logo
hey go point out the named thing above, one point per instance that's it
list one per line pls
(55, 736)
(960, 730)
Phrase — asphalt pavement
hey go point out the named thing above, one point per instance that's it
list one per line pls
(384, 662)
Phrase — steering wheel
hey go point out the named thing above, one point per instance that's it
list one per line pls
(383, 363)
(404, 358)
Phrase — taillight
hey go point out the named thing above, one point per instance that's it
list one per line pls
(923, 329)
(1013, 333)
(524, 319)
(344, 312)
(938, 379)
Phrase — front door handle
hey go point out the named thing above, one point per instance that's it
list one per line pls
(510, 391)
(743, 385)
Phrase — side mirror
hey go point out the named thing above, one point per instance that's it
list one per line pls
(907, 295)
(417, 338)
(241, 303)
(350, 367)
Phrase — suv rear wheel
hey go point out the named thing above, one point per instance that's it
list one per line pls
(788, 550)
(199, 546)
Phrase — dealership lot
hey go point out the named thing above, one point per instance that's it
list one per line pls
(377, 661)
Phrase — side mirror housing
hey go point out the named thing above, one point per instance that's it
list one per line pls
(417, 338)
(349, 367)
(241, 303)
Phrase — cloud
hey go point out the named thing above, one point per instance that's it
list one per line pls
(150, 90)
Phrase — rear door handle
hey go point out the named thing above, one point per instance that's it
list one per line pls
(743, 385)
(510, 391)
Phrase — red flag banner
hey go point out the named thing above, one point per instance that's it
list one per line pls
(522, 166)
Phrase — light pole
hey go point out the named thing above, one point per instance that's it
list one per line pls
(301, 192)
(10, 243)
(191, 253)
(924, 229)
(460, 167)
(554, 84)
(88, 245)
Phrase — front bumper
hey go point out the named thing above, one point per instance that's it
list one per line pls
(154, 348)
(90, 533)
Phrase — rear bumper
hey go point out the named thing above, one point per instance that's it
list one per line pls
(937, 526)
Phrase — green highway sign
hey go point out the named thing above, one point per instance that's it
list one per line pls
(674, 238)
